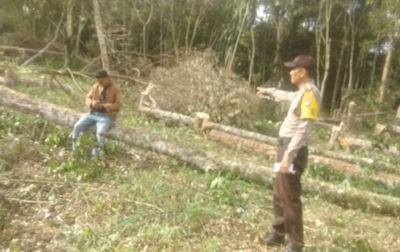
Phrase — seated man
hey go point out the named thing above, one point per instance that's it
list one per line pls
(104, 101)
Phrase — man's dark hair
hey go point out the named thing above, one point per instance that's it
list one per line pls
(101, 74)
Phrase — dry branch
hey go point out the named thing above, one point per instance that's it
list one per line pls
(47, 46)
(91, 75)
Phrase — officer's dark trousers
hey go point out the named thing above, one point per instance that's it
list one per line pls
(287, 203)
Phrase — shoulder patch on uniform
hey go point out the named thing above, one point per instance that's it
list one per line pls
(309, 106)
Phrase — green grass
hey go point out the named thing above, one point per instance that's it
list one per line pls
(332, 175)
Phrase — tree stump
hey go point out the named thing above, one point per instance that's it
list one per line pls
(379, 129)
(9, 78)
(45, 81)
(351, 116)
(336, 132)
(336, 114)
(201, 121)
(397, 118)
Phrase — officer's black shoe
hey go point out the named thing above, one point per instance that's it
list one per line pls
(273, 240)
(289, 249)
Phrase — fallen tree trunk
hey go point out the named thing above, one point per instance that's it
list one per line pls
(166, 115)
(380, 165)
(178, 118)
(350, 142)
(244, 143)
(267, 150)
(45, 81)
(394, 129)
(21, 49)
(204, 161)
(379, 128)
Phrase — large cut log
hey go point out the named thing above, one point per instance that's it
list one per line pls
(202, 160)
(46, 81)
(351, 142)
(240, 142)
(166, 115)
(380, 165)
(20, 49)
(392, 128)
(270, 151)
(179, 118)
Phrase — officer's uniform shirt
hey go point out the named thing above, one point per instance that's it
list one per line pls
(303, 111)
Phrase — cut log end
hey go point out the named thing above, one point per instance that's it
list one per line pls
(201, 121)
(146, 95)
(379, 129)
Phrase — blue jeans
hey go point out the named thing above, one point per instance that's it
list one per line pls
(103, 124)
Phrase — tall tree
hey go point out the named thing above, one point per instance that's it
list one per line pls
(323, 36)
(392, 17)
(101, 36)
(69, 41)
(339, 68)
(145, 23)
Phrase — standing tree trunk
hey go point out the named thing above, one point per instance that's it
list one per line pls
(386, 69)
(318, 38)
(197, 23)
(354, 25)
(327, 41)
(69, 40)
(144, 23)
(277, 75)
(189, 23)
(352, 45)
(82, 23)
(173, 28)
(253, 53)
(243, 21)
(100, 35)
(339, 69)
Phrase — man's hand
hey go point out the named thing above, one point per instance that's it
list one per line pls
(97, 105)
(264, 91)
(284, 167)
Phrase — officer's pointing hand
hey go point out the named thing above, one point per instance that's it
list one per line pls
(264, 91)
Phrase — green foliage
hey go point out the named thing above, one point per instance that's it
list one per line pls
(80, 165)
(328, 173)
(225, 191)
(357, 245)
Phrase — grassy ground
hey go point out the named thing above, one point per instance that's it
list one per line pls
(133, 200)
(146, 202)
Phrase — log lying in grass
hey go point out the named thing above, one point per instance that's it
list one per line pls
(23, 50)
(179, 118)
(380, 128)
(270, 151)
(244, 143)
(351, 143)
(202, 160)
(45, 81)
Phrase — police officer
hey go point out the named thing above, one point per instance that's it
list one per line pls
(293, 152)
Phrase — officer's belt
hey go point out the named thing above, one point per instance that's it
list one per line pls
(284, 140)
